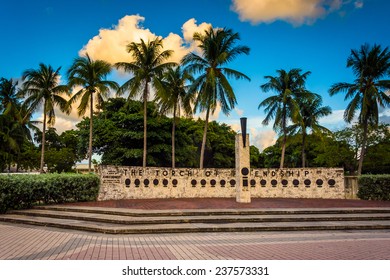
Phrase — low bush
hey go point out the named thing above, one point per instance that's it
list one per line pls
(24, 191)
(374, 187)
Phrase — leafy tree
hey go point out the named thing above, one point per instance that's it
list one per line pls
(370, 65)
(9, 100)
(377, 160)
(289, 87)
(41, 87)
(118, 137)
(256, 158)
(327, 150)
(172, 97)
(218, 48)
(377, 138)
(91, 76)
(62, 150)
(310, 111)
(148, 63)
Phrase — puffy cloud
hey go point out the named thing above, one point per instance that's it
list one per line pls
(297, 12)
(110, 44)
(359, 4)
(259, 136)
(262, 138)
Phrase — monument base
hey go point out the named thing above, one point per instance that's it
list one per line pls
(243, 197)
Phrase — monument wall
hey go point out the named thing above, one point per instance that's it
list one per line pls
(126, 182)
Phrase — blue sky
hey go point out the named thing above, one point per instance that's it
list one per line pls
(314, 35)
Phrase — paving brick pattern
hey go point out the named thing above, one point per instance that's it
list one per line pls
(21, 242)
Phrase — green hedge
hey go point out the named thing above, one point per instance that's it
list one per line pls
(374, 187)
(23, 191)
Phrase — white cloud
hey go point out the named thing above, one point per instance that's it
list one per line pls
(297, 12)
(239, 111)
(262, 138)
(259, 135)
(110, 44)
(359, 4)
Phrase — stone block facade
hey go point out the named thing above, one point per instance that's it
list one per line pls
(126, 182)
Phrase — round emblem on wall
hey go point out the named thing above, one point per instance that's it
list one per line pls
(263, 182)
(332, 182)
(245, 171)
(296, 182)
(127, 182)
(155, 182)
(223, 183)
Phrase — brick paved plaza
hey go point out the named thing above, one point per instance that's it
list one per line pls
(21, 242)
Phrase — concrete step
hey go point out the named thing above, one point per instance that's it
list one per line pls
(212, 212)
(110, 228)
(214, 219)
(121, 221)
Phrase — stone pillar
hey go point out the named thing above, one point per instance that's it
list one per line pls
(243, 194)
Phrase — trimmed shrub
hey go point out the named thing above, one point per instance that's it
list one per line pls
(24, 191)
(374, 187)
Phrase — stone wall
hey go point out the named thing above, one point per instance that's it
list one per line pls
(125, 182)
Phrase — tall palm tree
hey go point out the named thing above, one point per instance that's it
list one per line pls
(310, 111)
(370, 65)
(218, 48)
(172, 97)
(9, 98)
(148, 63)
(289, 86)
(41, 87)
(90, 75)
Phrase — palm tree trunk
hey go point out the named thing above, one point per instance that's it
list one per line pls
(202, 150)
(363, 149)
(145, 97)
(173, 136)
(90, 135)
(303, 149)
(283, 150)
(43, 140)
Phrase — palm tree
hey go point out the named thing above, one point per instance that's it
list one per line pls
(148, 63)
(90, 75)
(289, 87)
(41, 86)
(212, 86)
(370, 65)
(310, 112)
(9, 98)
(172, 97)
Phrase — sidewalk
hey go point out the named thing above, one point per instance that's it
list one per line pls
(23, 242)
(36, 243)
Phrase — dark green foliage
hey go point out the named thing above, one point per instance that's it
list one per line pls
(61, 150)
(23, 191)
(118, 137)
(374, 187)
